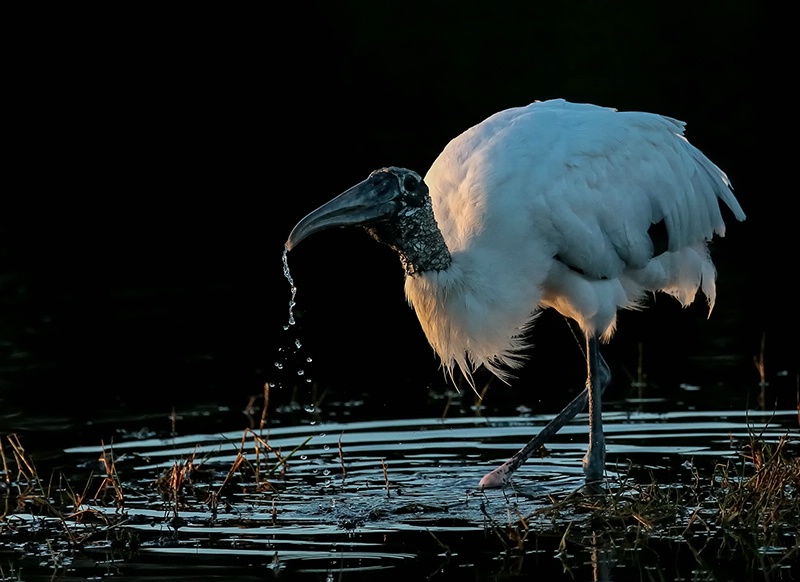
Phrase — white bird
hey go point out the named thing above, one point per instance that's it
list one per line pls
(555, 204)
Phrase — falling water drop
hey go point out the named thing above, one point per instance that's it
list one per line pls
(291, 356)
(288, 276)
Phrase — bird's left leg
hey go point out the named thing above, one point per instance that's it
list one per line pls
(598, 377)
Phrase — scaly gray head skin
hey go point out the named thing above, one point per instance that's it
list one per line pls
(394, 206)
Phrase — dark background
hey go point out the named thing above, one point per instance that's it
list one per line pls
(165, 157)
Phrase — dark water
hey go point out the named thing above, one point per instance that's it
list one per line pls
(360, 496)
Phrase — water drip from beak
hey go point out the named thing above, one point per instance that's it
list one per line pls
(288, 276)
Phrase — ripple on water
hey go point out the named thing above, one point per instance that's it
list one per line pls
(389, 491)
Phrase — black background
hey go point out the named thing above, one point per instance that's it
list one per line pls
(163, 158)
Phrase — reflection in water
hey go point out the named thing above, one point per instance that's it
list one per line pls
(601, 559)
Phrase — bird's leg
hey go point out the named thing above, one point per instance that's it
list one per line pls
(500, 476)
(597, 379)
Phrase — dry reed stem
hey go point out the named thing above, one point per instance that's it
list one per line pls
(385, 476)
(264, 409)
(5, 463)
(341, 457)
(762, 374)
(24, 466)
(173, 419)
(111, 479)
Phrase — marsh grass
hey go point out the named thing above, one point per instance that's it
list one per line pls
(749, 505)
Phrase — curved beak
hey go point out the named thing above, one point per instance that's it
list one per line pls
(370, 201)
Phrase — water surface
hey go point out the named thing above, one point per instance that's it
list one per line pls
(361, 498)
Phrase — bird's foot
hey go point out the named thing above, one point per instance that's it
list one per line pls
(496, 478)
(595, 460)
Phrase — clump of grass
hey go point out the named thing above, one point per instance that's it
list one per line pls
(752, 502)
(22, 481)
(174, 483)
(111, 484)
(627, 508)
(763, 491)
(61, 514)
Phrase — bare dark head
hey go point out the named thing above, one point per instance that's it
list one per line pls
(394, 205)
(382, 197)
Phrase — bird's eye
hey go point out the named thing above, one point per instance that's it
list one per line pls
(410, 184)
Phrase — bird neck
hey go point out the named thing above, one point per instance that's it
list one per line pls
(416, 237)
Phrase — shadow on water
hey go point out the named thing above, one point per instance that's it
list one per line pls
(309, 497)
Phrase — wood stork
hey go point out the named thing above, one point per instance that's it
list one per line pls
(548, 205)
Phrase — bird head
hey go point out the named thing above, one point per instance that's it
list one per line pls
(394, 205)
(384, 196)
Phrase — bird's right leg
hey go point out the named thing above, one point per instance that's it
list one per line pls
(500, 476)
(598, 377)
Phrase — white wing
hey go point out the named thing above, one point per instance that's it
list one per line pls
(553, 202)
(592, 180)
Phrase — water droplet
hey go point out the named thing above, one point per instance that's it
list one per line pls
(303, 457)
(310, 408)
(309, 360)
(326, 472)
(300, 372)
(292, 286)
(279, 365)
(298, 344)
